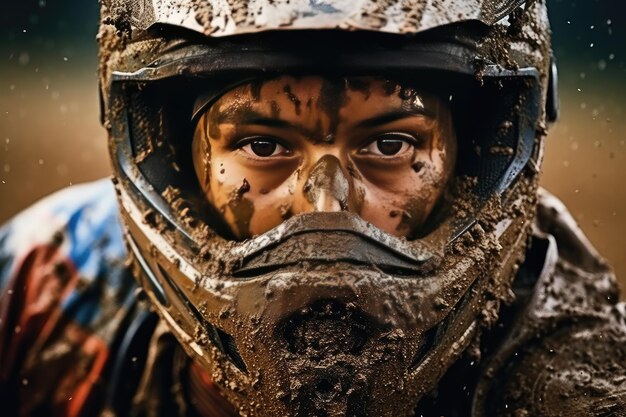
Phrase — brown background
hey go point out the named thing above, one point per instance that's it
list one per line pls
(50, 135)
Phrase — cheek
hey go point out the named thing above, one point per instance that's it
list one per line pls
(272, 207)
(201, 152)
(401, 201)
(382, 209)
(428, 183)
(223, 182)
(227, 172)
(267, 196)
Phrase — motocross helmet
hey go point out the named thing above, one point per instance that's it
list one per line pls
(326, 314)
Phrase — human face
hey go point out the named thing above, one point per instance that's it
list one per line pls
(268, 150)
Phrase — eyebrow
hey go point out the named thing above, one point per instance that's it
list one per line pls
(252, 117)
(260, 119)
(393, 116)
(249, 116)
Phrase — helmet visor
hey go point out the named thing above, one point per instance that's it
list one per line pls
(159, 107)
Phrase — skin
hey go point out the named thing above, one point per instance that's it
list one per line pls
(272, 149)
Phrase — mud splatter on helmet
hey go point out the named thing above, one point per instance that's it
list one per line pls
(355, 322)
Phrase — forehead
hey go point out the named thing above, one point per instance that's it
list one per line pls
(326, 94)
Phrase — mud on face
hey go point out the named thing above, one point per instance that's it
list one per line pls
(267, 150)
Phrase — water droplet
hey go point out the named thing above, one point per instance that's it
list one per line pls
(24, 58)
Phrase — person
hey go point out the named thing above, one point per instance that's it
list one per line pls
(327, 208)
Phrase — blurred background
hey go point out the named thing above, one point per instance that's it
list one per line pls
(50, 136)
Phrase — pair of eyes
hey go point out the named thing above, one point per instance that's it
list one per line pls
(386, 145)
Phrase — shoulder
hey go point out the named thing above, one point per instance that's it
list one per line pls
(78, 220)
(575, 281)
(574, 371)
(565, 352)
(66, 296)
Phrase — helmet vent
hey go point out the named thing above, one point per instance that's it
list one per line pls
(327, 388)
(336, 391)
(143, 123)
(427, 344)
(503, 8)
(223, 340)
(229, 347)
(326, 329)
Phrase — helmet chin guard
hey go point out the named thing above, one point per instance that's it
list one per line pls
(288, 326)
(326, 314)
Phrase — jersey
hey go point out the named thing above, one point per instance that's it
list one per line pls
(65, 291)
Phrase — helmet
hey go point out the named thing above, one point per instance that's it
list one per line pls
(326, 314)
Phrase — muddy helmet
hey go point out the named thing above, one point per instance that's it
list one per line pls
(355, 322)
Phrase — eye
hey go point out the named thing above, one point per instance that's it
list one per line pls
(263, 147)
(390, 144)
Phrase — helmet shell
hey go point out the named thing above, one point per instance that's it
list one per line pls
(235, 17)
(217, 295)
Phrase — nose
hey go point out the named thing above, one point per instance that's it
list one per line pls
(327, 188)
